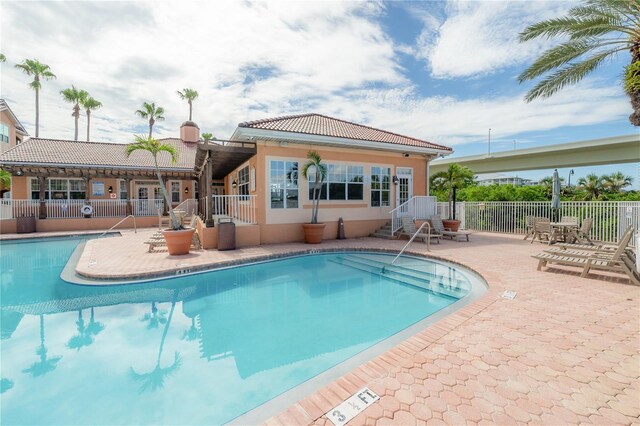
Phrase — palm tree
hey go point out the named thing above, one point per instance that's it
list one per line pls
(3, 58)
(319, 170)
(155, 379)
(207, 136)
(547, 184)
(450, 180)
(151, 112)
(5, 178)
(190, 95)
(75, 97)
(615, 182)
(5, 384)
(39, 71)
(155, 318)
(591, 185)
(44, 365)
(154, 147)
(591, 34)
(90, 104)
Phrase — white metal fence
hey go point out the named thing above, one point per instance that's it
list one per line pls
(242, 208)
(69, 209)
(419, 207)
(610, 218)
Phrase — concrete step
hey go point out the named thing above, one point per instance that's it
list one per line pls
(387, 236)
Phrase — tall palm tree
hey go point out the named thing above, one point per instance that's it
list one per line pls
(76, 97)
(190, 95)
(591, 33)
(155, 379)
(320, 174)
(450, 180)
(39, 71)
(616, 182)
(591, 185)
(154, 147)
(151, 112)
(90, 104)
(44, 365)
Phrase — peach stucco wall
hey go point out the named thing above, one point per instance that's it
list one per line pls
(5, 118)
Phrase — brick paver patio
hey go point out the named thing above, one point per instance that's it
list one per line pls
(566, 350)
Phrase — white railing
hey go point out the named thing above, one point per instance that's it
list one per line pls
(72, 209)
(149, 207)
(189, 207)
(419, 207)
(610, 218)
(242, 208)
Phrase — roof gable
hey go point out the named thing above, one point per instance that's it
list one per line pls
(322, 125)
(19, 127)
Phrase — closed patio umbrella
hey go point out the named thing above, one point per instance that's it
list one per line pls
(555, 195)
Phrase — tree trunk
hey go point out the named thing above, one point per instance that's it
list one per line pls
(88, 123)
(37, 112)
(190, 109)
(76, 116)
(151, 121)
(165, 194)
(42, 214)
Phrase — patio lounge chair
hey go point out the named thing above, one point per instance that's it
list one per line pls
(528, 228)
(590, 247)
(438, 226)
(409, 228)
(618, 261)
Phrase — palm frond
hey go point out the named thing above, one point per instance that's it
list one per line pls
(557, 56)
(570, 74)
(549, 28)
(142, 114)
(159, 112)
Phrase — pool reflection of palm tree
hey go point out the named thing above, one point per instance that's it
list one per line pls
(44, 365)
(192, 333)
(154, 379)
(155, 318)
(94, 328)
(83, 338)
(5, 385)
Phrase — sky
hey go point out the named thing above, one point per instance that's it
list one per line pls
(445, 72)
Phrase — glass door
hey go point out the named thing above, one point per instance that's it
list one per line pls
(404, 190)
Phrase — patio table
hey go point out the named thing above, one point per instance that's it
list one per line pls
(565, 228)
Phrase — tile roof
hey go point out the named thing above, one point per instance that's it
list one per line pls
(110, 155)
(317, 124)
(19, 127)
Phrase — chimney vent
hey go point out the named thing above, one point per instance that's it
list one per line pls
(189, 132)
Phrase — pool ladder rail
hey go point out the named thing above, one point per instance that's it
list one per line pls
(135, 228)
(424, 224)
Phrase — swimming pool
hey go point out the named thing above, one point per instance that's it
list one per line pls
(198, 349)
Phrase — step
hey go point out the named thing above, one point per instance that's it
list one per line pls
(382, 235)
(413, 278)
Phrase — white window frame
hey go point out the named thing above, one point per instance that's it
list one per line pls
(286, 188)
(48, 190)
(172, 192)
(5, 137)
(380, 191)
(327, 183)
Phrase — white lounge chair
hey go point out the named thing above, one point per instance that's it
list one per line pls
(438, 226)
(409, 229)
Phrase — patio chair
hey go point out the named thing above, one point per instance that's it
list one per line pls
(409, 228)
(569, 219)
(542, 229)
(528, 228)
(438, 226)
(618, 261)
(582, 234)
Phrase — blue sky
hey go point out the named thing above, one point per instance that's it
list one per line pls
(440, 71)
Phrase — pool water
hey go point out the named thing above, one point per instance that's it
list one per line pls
(200, 349)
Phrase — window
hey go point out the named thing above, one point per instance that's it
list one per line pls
(175, 192)
(4, 133)
(283, 181)
(122, 189)
(343, 183)
(380, 186)
(60, 189)
(243, 181)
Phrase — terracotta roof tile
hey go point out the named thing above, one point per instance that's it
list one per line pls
(76, 153)
(317, 124)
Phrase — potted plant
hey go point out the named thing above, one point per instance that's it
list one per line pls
(178, 237)
(450, 180)
(313, 231)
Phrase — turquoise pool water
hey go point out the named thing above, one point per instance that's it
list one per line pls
(200, 349)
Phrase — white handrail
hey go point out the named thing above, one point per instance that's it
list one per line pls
(418, 207)
(409, 242)
(135, 228)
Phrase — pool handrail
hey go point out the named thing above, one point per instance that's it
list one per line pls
(409, 242)
(135, 228)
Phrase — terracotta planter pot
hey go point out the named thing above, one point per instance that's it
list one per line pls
(451, 224)
(178, 242)
(313, 232)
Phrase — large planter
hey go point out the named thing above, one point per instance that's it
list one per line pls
(313, 232)
(178, 242)
(452, 224)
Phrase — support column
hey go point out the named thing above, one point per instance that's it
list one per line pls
(209, 202)
(42, 214)
(127, 185)
(87, 191)
(428, 174)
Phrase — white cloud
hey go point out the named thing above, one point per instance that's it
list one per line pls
(476, 38)
(327, 57)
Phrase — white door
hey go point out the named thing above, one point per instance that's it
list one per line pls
(404, 189)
